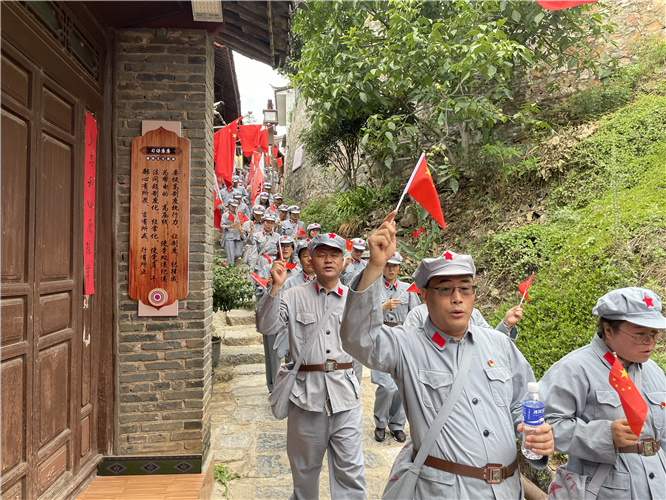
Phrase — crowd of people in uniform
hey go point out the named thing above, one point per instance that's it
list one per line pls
(417, 345)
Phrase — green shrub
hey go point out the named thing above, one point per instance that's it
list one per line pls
(231, 286)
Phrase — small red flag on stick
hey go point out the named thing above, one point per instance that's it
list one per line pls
(562, 4)
(291, 266)
(349, 244)
(300, 233)
(422, 188)
(633, 403)
(412, 288)
(523, 287)
(262, 282)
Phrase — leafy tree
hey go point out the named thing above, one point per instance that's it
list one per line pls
(391, 77)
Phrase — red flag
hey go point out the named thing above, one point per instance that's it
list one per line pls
(268, 258)
(279, 162)
(262, 282)
(562, 4)
(412, 288)
(231, 218)
(263, 140)
(633, 403)
(524, 286)
(257, 182)
(300, 233)
(422, 189)
(243, 219)
(349, 244)
(292, 266)
(224, 147)
(272, 208)
(249, 137)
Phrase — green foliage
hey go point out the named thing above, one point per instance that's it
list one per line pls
(592, 103)
(420, 241)
(627, 147)
(231, 286)
(651, 54)
(348, 210)
(396, 75)
(223, 475)
(610, 234)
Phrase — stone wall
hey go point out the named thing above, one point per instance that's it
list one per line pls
(634, 19)
(164, 369)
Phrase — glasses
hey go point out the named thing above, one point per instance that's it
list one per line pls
(644, 338)
(448, 291)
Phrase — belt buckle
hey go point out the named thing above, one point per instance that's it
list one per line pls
(329, 366)
(493, 473)
(648, 449)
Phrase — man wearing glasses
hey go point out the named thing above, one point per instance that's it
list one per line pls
(474, 453)
(588, 419)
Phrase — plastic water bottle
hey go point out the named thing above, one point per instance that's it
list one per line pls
(533, 410)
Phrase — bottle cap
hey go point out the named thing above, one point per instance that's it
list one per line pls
(533, 387)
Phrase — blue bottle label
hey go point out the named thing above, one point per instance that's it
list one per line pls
(533, 412)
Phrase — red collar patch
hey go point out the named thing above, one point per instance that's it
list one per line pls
(610, 358)
(340, 291)
(438, 339)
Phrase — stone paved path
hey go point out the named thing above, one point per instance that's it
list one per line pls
(246, 436)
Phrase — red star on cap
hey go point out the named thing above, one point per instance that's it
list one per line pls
(648, 302)
(448, 256)
(331, 235)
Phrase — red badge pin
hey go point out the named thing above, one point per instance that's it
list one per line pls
(663, 405)
(491, 362)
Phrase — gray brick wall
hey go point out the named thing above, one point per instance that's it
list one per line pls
(164, 368)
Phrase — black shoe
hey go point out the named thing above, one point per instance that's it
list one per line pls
(380, 434)
(399, 436)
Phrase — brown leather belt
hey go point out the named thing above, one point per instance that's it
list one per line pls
(329, 366)
(491, 473)
(646, 447)
(391, 323)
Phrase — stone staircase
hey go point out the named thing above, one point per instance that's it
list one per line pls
(241, 347)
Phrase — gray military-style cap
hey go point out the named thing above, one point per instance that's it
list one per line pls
(636, 305)
(314, 225)
(268, 215)
(449, 264)
(283, 208)
(328, 239)
(258, 209)
(263, 194)
(295, 209)
(359, 243)
(233, 203)
(286, 240)
(301, 245)
(396, 258)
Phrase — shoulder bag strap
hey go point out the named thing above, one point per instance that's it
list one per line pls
(447, 408)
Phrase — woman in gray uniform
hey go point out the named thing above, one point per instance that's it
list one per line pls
(605, 457)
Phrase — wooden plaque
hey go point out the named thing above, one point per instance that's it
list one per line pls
(159, 218)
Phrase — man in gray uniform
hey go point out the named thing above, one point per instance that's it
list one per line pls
(290, 227)
(396, 304)
(233, 237)
(353, 264)
(588, 421)
(474, 455)
(326, 414)
(267, 240)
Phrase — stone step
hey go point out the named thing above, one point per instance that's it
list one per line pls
(237, 317)
(250, 369)
(240, 335)
(241, 355)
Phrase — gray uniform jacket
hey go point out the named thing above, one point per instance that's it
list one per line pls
(230, 234)
(299, 309)
(418, 315)
(580, 407)
(397, 315)
(289, 227)
(297, 277)
(352, 270)
(266, 243)
(424, 361)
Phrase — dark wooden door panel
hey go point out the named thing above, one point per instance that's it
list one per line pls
(13, 410)
(15, 192)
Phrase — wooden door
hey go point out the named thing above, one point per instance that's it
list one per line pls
(47, 408)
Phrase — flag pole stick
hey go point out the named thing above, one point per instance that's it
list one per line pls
(409, 182)
(523, 298)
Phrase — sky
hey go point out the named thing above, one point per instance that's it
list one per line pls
(254, 85)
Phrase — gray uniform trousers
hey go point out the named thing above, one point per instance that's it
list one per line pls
(309, 435)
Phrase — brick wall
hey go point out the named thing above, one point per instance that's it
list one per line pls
(164, 369)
